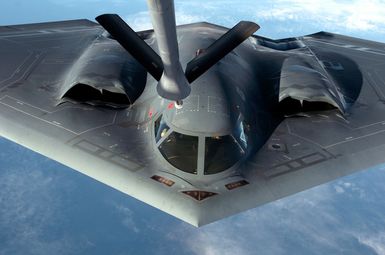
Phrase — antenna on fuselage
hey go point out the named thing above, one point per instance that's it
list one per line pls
(173, 83)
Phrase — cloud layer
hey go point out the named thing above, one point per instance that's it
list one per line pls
(351, 15)
(283, 17)
(344, 217)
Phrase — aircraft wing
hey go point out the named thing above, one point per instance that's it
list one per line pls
(40, 63)
(317, 147)
(46, 69)
(67, 91)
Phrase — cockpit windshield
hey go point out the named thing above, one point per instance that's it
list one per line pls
(221, 153)
(181, 151)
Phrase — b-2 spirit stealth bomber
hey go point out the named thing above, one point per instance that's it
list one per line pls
(197, 120)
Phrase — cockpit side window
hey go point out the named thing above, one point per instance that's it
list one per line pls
(221, 153)
(181, 151)
(239, 133)
(161, 128)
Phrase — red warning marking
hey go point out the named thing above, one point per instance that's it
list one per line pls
(150, 112)
(170, 106)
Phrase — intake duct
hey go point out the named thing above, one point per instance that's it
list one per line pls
(105, 75)
(334, 81)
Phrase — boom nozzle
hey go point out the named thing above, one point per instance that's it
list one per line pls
(173, 82)
(179, 104)
(173, 85)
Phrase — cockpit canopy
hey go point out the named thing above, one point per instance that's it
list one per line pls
(200, 154)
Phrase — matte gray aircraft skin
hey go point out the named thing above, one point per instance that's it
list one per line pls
(269, 119)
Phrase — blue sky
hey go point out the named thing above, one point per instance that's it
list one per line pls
(46, 208)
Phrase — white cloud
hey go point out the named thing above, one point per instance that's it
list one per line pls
(353, 189)
(139, 21)
(282, 17)
(352, 15)
(27, 207)
(339, 189)
(330, 223)
(142, 21)
(375, 242)
(183, 17)
(31, 205)
(263, 230)
(127, 217)
(72, 3)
